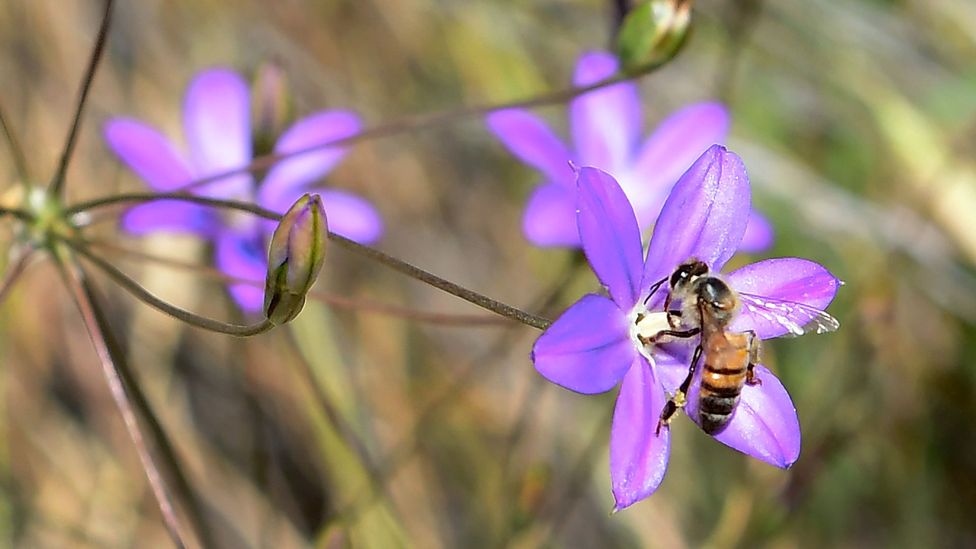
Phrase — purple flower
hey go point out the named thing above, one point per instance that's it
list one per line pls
(594, 345)
(606, 128)
(217, 129)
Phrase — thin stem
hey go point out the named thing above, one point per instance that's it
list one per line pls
(22, 215)
(20, 161)
(182, 196)
(121, 398)
(333, 300)
(165, 449)
(470, 296)
(148, 298)
(424, 121)
(57, 183)
(13, 273)
(394, 263)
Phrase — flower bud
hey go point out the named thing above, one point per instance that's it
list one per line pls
(295, 258)
(271, 105)
(653, 32)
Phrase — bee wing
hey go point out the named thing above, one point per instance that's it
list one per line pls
(795, 318)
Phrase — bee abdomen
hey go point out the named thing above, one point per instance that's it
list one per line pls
(714, 412)
(718, 397)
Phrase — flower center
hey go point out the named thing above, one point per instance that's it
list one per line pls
(645, 326)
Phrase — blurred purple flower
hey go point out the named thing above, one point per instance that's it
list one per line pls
(217, 128)
(594, 345)
(606, 128)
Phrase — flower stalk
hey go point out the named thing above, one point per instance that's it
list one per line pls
(392, 262)
(16, 151)
(57, 183)
(430, 120)
(148, 298)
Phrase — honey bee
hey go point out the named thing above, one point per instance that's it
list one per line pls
(708, 307)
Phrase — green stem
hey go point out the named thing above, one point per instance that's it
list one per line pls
(57, 183)
(16, 267)
(333, 300)
(148, 298)
(22, 215)
(20, 161)
(394, 263)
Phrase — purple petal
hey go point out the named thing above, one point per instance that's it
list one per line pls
(759, 234)
(217, 122)
(764, 424)
(638, 455)
(288, 179)
(168, 216)
(147, 153)
(677, 142)
(606, 123)
(671, 363)
(608, 231)
(550, 216)
(588, 348)
(351, 216)
(704, 216)
(531, 140)
(785, 279)
(242, 256)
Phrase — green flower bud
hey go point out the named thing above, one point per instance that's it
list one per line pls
(295, 258)
(653, 32)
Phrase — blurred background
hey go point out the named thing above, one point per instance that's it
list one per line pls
(352, 427)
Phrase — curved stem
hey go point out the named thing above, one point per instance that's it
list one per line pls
(394, 263)
(22, 215)
(148, 298)
(57, 183)
(333, 300)
(181, 196)
(16, 152)
(428, 120)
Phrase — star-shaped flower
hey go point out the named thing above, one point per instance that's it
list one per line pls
(606, 128)
(217, 128)
(597, 343)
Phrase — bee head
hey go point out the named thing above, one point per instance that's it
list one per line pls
(687, 272)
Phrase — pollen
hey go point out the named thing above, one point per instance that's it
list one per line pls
(648, 325)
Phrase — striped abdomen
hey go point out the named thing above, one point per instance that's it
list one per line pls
(724, 374)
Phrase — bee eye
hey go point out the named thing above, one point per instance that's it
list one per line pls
(678, 276)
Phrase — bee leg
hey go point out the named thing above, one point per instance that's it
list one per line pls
(667, 307)
(751, 378)
(671, 333)
(680, 398)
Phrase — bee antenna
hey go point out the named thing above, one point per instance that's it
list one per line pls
(654, 288)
